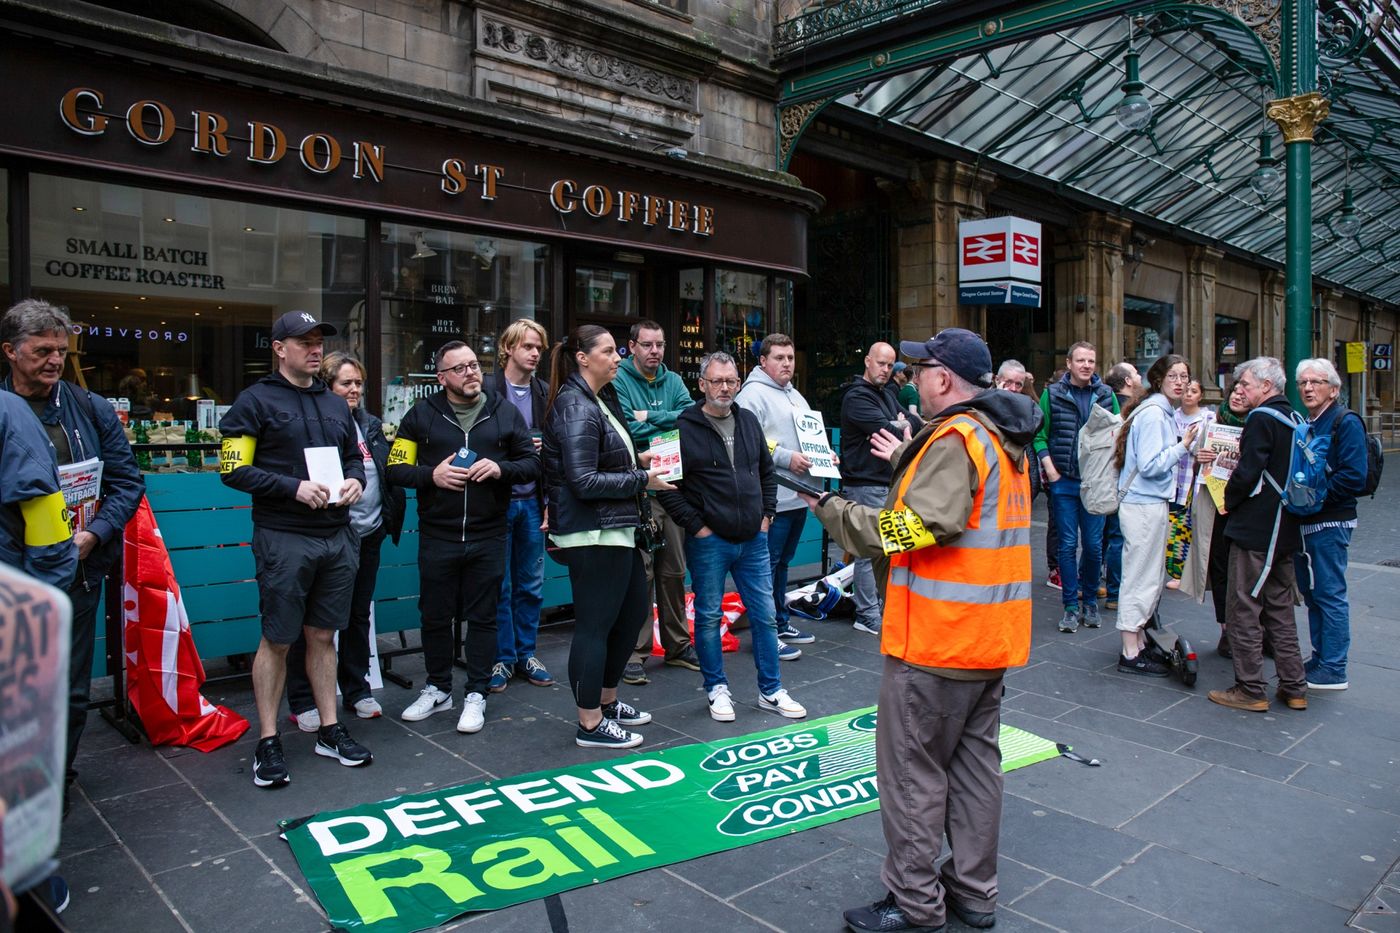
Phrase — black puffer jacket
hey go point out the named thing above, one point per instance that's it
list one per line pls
(592, 480)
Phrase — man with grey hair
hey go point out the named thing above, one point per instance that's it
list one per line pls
(1263, 537)
(81, 426)
(1321, 567)
(1011, 375)
(725, 503)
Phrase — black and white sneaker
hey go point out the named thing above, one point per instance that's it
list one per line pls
(607, 734)
(334, 741)
(269, 764)
(624, 714)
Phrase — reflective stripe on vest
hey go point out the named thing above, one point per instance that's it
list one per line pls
(967, 604)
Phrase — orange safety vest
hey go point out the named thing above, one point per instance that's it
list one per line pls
(967, 605)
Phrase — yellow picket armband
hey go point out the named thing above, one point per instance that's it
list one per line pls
(902, 531)
(45, 520)
(236, 452)
(403, 451)
(772, 446)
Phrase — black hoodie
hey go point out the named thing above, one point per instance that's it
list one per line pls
(284, 420)
(866, 409)
(732, 499)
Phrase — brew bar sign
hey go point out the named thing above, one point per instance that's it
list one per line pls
(999, 262)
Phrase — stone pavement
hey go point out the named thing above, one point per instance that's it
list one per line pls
(1200, 818)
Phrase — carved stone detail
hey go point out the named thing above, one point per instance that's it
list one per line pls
(522, 43)
(1263, 17)
(1298, 116)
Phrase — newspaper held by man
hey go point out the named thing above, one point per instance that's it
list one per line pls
(82, 486)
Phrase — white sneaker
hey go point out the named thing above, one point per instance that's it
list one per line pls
(473, 714)
(431, 700)
(779, 702)
(721, 703)
(309, 721)
(368, 708)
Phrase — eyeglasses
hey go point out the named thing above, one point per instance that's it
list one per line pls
(1177, 377)
(461, 369)
(723, 383)
(1311, 383)
(651, 345)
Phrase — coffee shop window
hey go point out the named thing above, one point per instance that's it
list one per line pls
(603, 292)
(173, 296)
(742, 324)
(441, 285)
(1150, 331)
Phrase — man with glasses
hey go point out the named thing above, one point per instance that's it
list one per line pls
(79, 426)
(1263, 539)
(869, 406)
(1011, 376)
(652, 398)
(725, 503)
(463, 449)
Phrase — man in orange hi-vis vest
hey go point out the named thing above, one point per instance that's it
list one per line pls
(952, 550)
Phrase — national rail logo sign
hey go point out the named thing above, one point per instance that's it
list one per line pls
(999, 261)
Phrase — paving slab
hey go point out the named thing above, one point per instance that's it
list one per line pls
(232, 892)
(1075, 907)
(1059, 844)
(1351, 788)
(108, 892)
(170, 826)
(1110, 692)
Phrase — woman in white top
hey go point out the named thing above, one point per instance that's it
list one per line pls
(1188, 478)
(1147, 456)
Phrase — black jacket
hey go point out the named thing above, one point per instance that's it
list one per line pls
(1265, 444)
(392, 499)
(285, 419)
(429, 434)
(593, 481)
(539, 409)
(865, 409)
(732, 499)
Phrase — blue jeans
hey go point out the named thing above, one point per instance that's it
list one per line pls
(783, 534)
(710, 559)
(1080, 531)
(1325, 592)
(1113, 560)
(518, 609)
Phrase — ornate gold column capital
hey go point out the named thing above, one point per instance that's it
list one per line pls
(1298, 116)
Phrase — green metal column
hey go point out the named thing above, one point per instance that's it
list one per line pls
(1297, 113)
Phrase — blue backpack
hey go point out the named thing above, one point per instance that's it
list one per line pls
(1306, 488)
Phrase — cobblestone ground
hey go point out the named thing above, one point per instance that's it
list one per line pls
(1200, 818)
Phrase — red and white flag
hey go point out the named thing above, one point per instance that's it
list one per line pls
(163, 670)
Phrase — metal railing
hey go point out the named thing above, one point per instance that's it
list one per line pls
(824, 20)
(1386, 426)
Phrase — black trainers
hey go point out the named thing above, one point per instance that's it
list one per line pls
(884, 917)
(269, 764)
(634, 674)
(977, 919)
(334, 742)
(625, 714)
(1144, 665)
(607, 734)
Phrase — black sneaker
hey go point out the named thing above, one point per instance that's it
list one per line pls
(977, 919)
(625, 714)
(1144, 665)
(607, 734)
(334, 742)
(634, 674)
(884, 917)
(269, 764)
(687, 659)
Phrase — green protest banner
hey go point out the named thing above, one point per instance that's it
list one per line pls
(411, 862)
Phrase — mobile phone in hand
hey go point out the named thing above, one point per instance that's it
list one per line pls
(465, 457)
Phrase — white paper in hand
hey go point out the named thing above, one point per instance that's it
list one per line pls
(323, 466)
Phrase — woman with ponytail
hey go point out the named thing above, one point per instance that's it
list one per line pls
(1147, 456)
(596, 482)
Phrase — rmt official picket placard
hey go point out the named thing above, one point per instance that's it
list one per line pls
(999, 261)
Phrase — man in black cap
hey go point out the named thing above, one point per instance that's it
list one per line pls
(305, 551)
(951, 547)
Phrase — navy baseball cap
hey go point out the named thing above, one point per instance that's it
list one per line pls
(296, 323)
(960, 350)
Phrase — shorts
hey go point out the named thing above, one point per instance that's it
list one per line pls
(304, 580)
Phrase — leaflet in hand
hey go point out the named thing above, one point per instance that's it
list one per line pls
(323, 466)
(666, 452)
(811, 438)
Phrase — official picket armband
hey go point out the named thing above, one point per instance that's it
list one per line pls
(236, 452)
(45, 520)
(903, 530)
(403, 451)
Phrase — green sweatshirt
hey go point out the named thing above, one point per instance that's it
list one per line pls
(662, 398)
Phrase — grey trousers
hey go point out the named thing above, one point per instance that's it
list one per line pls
(1249, 618)
(867, 599)
(666, 580)
(939, 771)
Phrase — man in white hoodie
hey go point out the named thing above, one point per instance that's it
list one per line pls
(768, 392)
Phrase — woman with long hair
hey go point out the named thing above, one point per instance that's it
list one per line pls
(1147, 457)
(1189, 478)
(377, 515)
(597, 504)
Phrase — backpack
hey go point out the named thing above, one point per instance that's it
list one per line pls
(1098, 472)
(1375, 456)
(1304, 491)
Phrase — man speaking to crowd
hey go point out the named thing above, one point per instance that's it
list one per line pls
(952, 548)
